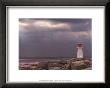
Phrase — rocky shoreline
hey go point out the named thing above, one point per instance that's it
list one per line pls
(71, 64)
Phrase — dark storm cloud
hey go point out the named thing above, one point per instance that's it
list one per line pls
(71, 24)
(53, 37)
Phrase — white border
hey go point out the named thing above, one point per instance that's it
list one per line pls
(97, 73)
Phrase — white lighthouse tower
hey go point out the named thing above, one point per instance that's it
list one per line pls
(80, 50)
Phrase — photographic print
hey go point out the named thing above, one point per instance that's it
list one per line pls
(55, 44)
(67, 44)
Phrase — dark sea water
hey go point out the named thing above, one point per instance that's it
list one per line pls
(32, 60)
(41, 60)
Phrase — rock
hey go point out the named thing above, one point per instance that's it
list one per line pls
(80, 64)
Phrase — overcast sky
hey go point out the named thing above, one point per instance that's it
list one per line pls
(54, 37)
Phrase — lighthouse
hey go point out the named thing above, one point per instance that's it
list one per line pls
(79, 52)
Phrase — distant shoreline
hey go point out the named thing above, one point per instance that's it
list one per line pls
(44, 59)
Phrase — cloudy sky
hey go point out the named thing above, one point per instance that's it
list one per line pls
(54, 37)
